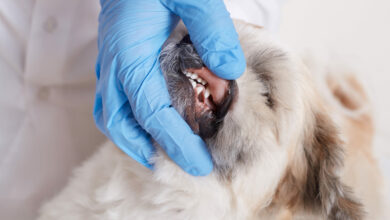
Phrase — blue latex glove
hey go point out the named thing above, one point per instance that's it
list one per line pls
(132, 101)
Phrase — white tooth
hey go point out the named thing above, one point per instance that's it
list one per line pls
(200, 80)
(187, 74)
(207, 93)
(194, 76)
(203, 82)
(199, 89)
(193, 83)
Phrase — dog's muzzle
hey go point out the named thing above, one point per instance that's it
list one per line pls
(202, 98)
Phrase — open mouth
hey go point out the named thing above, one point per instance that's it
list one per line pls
(210, 90)
(202, 98)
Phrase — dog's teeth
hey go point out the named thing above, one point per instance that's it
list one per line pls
(199, 89)
(207, 93)
(194, 76)
(193, 83)
(201, 81)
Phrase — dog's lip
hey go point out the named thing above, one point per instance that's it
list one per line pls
(218, 87)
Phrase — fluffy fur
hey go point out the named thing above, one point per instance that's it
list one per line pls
(278, 154)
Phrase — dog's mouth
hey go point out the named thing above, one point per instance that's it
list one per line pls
(202, 98)
(209, 90)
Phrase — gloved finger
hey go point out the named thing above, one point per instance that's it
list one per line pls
(122, 129)
(152, 108)
(213, 34)
(113, 116)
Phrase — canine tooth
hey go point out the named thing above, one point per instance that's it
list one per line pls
(199, 89)
(193, 83)
(207, 93)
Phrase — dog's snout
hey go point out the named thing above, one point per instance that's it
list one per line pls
(202, 98)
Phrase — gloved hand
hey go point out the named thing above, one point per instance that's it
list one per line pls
(132, 101)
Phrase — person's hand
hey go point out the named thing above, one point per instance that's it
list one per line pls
(132, 102)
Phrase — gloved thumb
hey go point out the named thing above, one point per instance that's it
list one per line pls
(213, 35)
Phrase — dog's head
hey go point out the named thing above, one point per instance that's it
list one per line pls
(271, 114)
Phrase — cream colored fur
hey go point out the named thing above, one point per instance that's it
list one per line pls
(110, 185)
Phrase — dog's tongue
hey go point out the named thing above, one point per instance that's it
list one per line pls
(217, 86)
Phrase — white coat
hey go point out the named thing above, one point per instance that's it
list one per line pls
(47, 80)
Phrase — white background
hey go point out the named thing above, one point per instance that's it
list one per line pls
(358, 33)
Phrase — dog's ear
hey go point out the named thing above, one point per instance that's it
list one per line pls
(322, 189)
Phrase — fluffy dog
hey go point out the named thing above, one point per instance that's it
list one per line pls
(277, 151)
